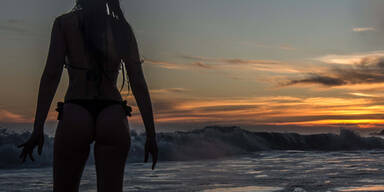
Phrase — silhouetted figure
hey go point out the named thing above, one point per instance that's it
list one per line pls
(92, 41)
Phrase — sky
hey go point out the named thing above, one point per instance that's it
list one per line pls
(273, 65)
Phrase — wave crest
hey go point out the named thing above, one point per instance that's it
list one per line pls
(209, 142)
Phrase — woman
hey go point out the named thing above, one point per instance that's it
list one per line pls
(91, 42)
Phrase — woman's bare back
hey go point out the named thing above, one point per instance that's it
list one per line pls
(81, 65)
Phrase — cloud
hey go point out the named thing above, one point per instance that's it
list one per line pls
(362, 123)
(179, 66)
(373, 87)
(170, 90)
(363, 29)
(13, 25)
(351, 59)
(202, 65)
(162, 91)
(9, 117)
(363, 94)
(239, 64)
(318, 79)
(228, 65)
(232, 61)
(368, 69)
(270, 110)
(12, 28)
(281, 47)
(167, 65)
(287, 47)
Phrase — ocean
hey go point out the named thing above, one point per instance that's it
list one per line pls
(222, 159)
(294, 171)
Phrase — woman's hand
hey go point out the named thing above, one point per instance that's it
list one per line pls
(36, 139)
(151, 147)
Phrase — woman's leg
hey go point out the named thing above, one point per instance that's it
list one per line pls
(112, 142)
(71, 147)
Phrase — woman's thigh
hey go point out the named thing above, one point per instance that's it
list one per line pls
(112, 142)
(71, 147)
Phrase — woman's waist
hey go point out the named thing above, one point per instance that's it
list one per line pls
(72, 96)
(92, 100)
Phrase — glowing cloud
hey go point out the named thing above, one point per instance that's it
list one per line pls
(352, 59)
(363, 29)
(9, 117)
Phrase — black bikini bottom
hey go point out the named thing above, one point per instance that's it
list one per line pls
(94, 107)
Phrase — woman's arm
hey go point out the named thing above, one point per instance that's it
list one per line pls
(141, 93)
(139, 86)
(51, 76)
(48, 85)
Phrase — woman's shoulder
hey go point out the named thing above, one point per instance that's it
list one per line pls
(68, 18)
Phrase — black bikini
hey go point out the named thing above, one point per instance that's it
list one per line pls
(94, 107)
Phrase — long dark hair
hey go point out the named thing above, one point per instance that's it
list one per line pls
(93, 24)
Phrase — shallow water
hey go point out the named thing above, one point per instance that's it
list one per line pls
(295, 171)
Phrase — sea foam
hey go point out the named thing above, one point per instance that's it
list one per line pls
(207, 143)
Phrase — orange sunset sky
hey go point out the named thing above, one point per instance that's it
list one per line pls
(305, 66)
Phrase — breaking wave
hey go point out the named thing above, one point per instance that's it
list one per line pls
(207, 143)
